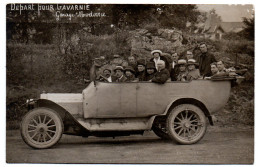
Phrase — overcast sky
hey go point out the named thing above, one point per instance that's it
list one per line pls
(230, 13)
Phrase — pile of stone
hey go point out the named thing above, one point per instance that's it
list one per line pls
(142, 41)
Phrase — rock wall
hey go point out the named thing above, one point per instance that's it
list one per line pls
(167, 40)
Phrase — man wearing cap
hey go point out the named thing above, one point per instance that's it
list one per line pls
(157, 55)
(130, 74)
(150, 71)
(193, 73)
(140, 74)
(119, 74)
(174, 70)
(162, 75)
(106, 77)
(204, 60)
(182, 74)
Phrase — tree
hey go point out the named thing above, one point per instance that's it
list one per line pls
(249, 30)
(178, 15)
(21, 26)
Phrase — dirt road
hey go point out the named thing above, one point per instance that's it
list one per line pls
(219, 146)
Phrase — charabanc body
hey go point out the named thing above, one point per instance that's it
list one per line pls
(174, 110)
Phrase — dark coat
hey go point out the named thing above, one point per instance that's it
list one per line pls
(115, 79)
(141, 76)
(161, 76)
(204, 60)
(174, 72)
(148, 77)
(131, 79)
(134, 67)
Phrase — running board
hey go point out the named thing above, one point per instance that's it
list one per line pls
(117, 124)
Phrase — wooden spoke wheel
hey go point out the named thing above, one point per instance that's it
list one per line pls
(41, 128)
(186, 124)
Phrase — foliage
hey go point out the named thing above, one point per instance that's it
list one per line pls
(36, 62)
(232, 36)
(177, 15)
(240, 46)
(29, 26)
(241, 104)
(249, 30)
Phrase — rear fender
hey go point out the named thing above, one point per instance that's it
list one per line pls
(189, 101)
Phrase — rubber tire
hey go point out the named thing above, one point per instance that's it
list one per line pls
(44, 111)
(171, 132)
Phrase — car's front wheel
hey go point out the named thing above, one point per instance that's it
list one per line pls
(186, 124)
(41, 128)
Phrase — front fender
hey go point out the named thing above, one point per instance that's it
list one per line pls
(71, 125)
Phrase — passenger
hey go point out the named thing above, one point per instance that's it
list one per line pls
(174, 68)
(193, 73)
(118, 61)
(182, 74)
(204, 60)
(106, 77)
(132, 62)
(130, 74)
(157, 55)
(189, 55)
(150, 71)
(162, 75)
(221, 67)
(119, 75)
(140, 74)
(214, 70)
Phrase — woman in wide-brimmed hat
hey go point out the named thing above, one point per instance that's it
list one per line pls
(157, 55)
(193, 73)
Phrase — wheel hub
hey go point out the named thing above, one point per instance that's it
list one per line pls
(41, 128)
(185, 123)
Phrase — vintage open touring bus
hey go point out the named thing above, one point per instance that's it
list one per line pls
(175, 110)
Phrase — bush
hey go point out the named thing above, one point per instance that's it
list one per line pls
(240, 46)
(241, 104)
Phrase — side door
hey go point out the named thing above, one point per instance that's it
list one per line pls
(116, 100)
(152, 98)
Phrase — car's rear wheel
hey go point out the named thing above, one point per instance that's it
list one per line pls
(186, 124)
(41, 128)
